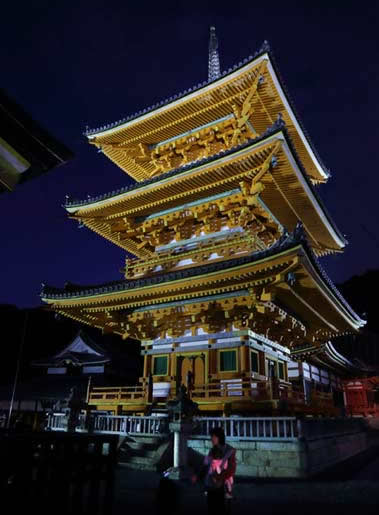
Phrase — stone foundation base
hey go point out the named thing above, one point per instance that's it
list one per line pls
(293, 459)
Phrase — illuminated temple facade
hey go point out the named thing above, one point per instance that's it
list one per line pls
(224, 290)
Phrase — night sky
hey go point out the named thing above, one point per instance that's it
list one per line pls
(72, 64)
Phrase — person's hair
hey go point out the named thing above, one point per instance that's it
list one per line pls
(219, 432)
(216, 452)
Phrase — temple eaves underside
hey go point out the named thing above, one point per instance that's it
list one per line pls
(327, 357)
(265, 173)
(215, 116)
(282, 293)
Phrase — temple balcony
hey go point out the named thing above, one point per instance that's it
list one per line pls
(226, 396)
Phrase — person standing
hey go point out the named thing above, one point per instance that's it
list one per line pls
(216, 482)
(217, 463)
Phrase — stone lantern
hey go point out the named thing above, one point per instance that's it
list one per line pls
(181, 412)
(75, 405)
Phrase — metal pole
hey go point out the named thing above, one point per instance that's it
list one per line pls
(88, 388)
(17, 369)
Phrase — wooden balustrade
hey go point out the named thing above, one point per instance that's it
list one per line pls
(116, 395)
(293, 395)
(321, 397)
(218, 390)
(136, 425)
(56, 422)
(258, 390)
(322, 401)
(254, 389)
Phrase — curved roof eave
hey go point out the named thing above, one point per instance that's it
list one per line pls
(278, 128)
(286, 243)
(202, 87)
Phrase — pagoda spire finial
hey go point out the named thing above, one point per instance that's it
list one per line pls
(214, 59)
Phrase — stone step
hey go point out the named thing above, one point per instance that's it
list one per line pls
(139, 463)
(143, 453)
(140, 459)
(139, 466)
(141, 445)
(152, 439)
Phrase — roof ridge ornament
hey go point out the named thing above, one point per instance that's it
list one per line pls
(279, 122)
(265, 47)
(214, 58)
(299, 232)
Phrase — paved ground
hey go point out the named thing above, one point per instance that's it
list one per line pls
(353, 488)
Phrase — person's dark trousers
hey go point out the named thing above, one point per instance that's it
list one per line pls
(216, 501)
(167, 498)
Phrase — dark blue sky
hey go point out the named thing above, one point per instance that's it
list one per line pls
(75, 63)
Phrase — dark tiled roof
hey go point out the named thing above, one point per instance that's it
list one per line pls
(286, 242)
(73, 290)
(76, 357)
(277, 127)
(80, 358)
(89, 341)
(265, 48)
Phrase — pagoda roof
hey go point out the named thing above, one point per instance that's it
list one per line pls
(73, 204)
(315, 293)
(141, 198)
(135, 127)
(326, 355)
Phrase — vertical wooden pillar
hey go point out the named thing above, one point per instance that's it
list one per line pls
(212, 362)
(262, 364)
(244, 358)
(172, 373)
(274, 387)
(301, 369)
(147, 363)
(178, 373)
(173, 365)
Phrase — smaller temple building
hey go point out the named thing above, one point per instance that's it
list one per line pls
(79, 365)
(80, 358)
(362, 396)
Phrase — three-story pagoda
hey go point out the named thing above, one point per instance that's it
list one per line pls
(226, 227)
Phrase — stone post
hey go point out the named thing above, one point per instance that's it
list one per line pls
(182, 431)
(181, 411)
(75, 405)
(177, 453)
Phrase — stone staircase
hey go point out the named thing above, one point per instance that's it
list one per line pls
(145, 453)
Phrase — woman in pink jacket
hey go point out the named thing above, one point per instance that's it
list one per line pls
(218, 471)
